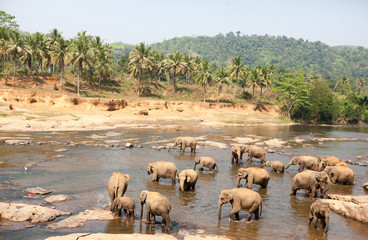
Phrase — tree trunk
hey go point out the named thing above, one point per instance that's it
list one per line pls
(204, 93)
(79, 75)
(253, 90)
(15, 65)
(219, 92)
(99, 83)
(260, 98)
(139, 83)
(62, 76)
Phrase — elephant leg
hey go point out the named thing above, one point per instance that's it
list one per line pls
(293, 190)
(153, 218)
(314, 221)
(313, 191)
(327, 221)
(249, 158)
(166, 219)
(301, 167)
(148, 215)
(155, 177)
(249, 183)
(125, 212)
(310, 217)
(232, 158)
(282, 170)
(235, 211)
(256, 214)
(201, 166)
(237, 218)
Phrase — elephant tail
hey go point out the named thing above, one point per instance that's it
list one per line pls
(116, 188)
(260, 211)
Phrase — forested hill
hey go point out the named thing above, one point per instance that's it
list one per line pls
(282, 52)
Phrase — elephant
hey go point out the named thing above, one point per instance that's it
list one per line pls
(207, 162)
(162, 169)
(311, 180)
(241, 199)
(340, 174)
(117, 186)
(308, 162)
(326, 160)
(253, 175)
(319, 210)
(125, 203)
(274, 166)
(187, 179)
(342, 164)
(237, 153)
(156, 205)
(184, 142)
(255, 151)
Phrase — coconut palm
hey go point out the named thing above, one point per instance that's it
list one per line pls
(14, 49)
(141, 57)
(103, 66)
(265, 78)
(157, 64)
(203, 77)
(254, 79)
(222, 77)
(237, 68)
(188, 67)
(80, 54)
(175, 65)
(59, 56)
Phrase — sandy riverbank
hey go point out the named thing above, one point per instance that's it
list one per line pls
(41, 111)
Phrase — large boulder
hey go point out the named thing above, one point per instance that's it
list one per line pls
(96, 214)
(19, 212)
(354, 207)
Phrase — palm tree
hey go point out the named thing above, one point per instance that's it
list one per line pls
(14, 49)
(265, 79)
(32, 48)
(204, 77)
(175, 65)
(59, 56)
(140, 56)
(237, 68)
(80, 54)
(188, 67)
(254, 78)
(103, 66)
(51, 40)
(157, 64)
(222, 77)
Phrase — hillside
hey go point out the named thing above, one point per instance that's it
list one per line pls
(312, 57)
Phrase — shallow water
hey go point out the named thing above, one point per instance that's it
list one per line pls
(83, 171)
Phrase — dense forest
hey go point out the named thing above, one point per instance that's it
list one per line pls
(309, 80)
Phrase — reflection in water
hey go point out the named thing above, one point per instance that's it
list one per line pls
(82, 172)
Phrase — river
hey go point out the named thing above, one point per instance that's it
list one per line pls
(82, 172)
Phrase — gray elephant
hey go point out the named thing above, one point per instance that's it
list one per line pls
(162, 169)
(207, 162)
(237, 152)
(255, 151)
(117, 186)
(184, 142)
(308, 162)
(312, 181)
(187, 179)
(156, 205)
(339, 174)
(253, 175)
(319, 210)
(274, 166)
(326, 160)
(125, 203)
(241, 199)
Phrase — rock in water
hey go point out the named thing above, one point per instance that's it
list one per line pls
(128, 145)
(57, 198)
(78, 220)
(38, 190)
(354, 207)
(365, 186)
(19, 212)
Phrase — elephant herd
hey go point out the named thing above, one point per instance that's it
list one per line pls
(321, 171)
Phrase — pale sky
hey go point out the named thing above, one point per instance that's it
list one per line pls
(334, 22)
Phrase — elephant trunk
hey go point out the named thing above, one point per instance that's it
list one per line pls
(219, 210)
(181, 186)
(142, 210)
(289, 164)
(239, 181)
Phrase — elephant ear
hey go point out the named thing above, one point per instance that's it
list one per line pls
(197, 160)
(230, 196)
(188, 179)
(143, 196)
(242, 173)
(127, 176)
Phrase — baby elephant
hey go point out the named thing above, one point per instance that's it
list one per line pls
(207, 162)
(253, 175)
(319, 210)
(275, 166)
(125, 203)
(187, 179)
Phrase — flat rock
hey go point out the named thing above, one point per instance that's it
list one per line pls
(275, 143)
(96, 214)
(109, 236)
(38, 190)
(19, 212)
(244, 140)
(57, 198)
(215, 144)
(354, 207)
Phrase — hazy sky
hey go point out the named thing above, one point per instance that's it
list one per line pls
(334, 22)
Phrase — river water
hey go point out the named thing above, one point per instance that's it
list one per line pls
(82, 172)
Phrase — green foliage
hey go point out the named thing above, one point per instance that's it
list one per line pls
(311, 57)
